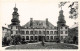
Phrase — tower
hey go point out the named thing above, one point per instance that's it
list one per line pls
(62, 27)
(15, 26)
(61, 21)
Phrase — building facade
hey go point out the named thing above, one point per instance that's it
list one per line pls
(6, 32)
(38, 30)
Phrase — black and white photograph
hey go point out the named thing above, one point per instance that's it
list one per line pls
(39, 24)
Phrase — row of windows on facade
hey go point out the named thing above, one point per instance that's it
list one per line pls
(36, 37)
(36, 27)
(44, 32)
(39, 32)
(62, 27)
(36, 32)
(12, 27)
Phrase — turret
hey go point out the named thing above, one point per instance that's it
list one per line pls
(15, 26)
(62, 27)
(15, 19)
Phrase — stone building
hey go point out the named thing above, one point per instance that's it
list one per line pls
(6, 32)
(38, 30)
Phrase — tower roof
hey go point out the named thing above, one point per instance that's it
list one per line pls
(61, 20)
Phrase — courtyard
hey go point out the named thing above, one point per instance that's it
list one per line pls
(48, 45)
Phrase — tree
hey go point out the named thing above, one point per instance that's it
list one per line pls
(16, 39)
(23, 40)
(74, 39)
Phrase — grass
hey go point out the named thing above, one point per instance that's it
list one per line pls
(47, 46)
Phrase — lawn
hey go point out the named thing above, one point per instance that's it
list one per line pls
(47, 46)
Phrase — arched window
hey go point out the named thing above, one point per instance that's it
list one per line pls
(27, 32)
(31, 32)
(27, 37)
(44, 32)
(35, 37)
(36, 32)
(22, 32)
(55, 32)
(51, 37)
(31, 37)
(61, 32)
(51, 32)
(47, 32)
(65, 32)
(65, 27)
(39, 32)
(47, 38)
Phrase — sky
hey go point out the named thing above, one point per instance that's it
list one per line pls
(36, 9)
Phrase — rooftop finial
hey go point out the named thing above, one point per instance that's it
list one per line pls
(15, 4)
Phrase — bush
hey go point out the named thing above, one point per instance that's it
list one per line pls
(5, 41)
(16, 39)
(67, 39)
(23, 40)
(75, 40)
(57, 40)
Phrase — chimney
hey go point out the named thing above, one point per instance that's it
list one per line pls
(31, 22)
(47, 23)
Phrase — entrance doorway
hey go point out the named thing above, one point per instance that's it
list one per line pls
(41, 38)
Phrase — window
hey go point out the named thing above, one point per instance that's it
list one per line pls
(65, 32)
(65, 27)
(31, 37)
(47, 32)
(51, 32)
(47, 37)
(22, 32)
(35, 37)
(61, 32)
(27, 32)
(39, 32)
(61, 37)
(27, 37)
(31, 32)
(44, 32)
(51, 37)
(55, 32)
(36, 32)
